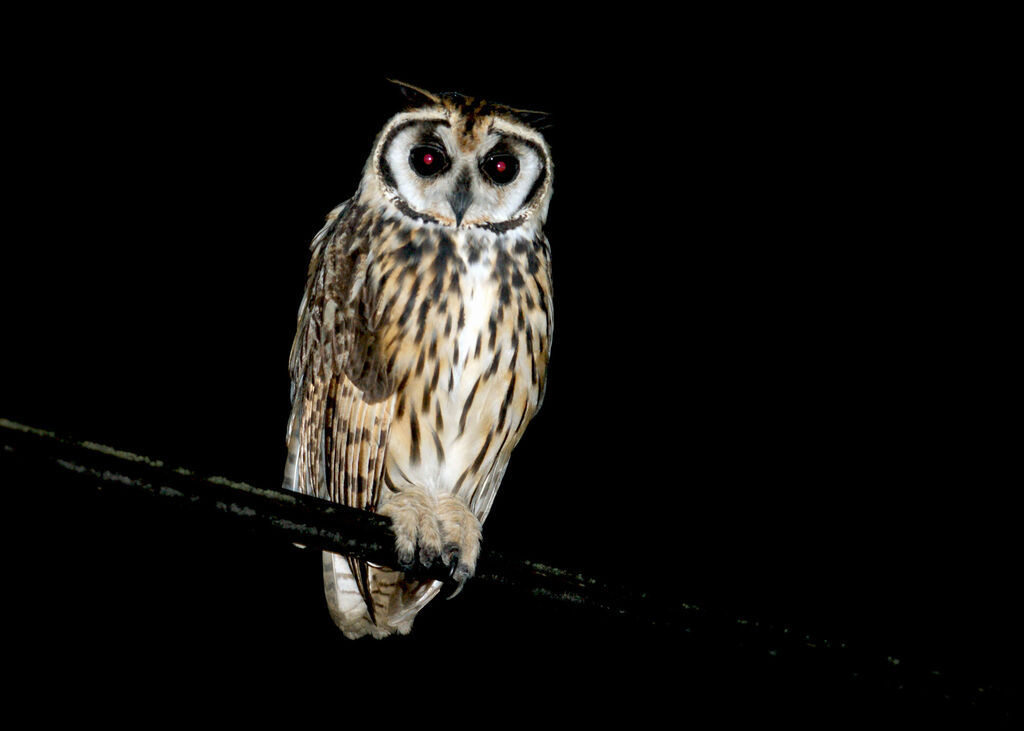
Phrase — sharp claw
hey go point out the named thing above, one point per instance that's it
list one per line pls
(450, 554)
(461, 573)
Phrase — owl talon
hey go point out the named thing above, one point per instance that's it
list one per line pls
(458, 589)
(461, 573)
(406, 560)
(427, 555)
(450, 554)
(428, 527)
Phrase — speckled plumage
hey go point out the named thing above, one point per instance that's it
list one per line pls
(422, 343)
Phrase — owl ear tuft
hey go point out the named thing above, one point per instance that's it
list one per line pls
(413, 96)
(537, 120)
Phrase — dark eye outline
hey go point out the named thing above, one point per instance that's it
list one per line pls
(488, 166)
(438, 166)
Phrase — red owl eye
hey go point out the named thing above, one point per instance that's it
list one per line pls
(428, 160)
(501, 168)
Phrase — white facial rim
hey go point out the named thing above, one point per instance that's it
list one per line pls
(492, 203)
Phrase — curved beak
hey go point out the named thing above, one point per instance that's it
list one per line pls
(461, 197)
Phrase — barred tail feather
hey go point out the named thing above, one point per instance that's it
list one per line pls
(345, 599)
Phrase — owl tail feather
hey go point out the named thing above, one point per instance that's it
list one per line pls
(352, 613)
(361, 574)
(392, 603)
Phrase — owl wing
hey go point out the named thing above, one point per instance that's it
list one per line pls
(341, 394)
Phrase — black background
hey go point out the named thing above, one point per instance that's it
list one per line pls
(777, 385)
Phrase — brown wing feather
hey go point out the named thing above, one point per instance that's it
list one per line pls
(341, 405)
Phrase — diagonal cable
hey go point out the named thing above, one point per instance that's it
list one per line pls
(328, 526)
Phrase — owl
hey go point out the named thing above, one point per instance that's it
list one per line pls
(422, 344)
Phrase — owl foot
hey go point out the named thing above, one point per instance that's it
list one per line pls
(431, 527)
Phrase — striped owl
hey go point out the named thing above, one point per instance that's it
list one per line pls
(422, 344)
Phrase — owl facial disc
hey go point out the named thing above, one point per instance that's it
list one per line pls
(460, 163)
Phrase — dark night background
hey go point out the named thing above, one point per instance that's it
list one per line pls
(777, 384)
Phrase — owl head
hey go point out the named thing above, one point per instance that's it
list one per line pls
(455, 161)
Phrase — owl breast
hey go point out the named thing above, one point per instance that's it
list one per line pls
(466, 324)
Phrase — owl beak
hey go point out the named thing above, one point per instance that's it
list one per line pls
(461, 197)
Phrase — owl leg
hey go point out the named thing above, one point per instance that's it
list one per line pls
(461, 531)
(431, 527)
(415, 525)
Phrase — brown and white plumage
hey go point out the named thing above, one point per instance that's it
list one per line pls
(422, 343)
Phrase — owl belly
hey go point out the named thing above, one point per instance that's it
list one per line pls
(458, 417)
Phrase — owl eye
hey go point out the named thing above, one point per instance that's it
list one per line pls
(428, 160)
(502, 169)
